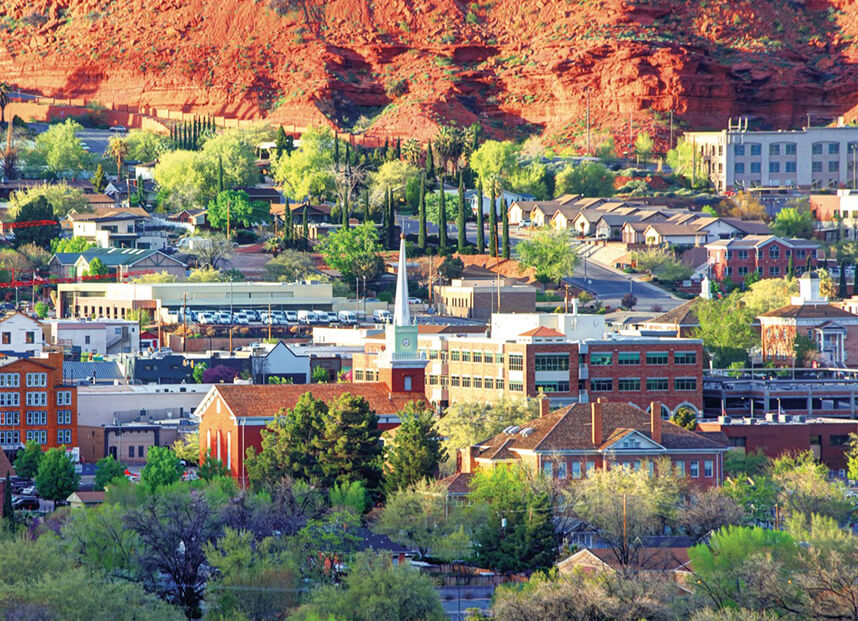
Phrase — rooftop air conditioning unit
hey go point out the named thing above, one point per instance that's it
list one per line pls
(724, 420)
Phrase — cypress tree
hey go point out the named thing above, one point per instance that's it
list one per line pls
(366, 216)
(391, 223)
(219, 174)
(460, 221)
(842, 288)
(385, 217)
(421, 235)
(8, 511)
(336, 150)
(481, 234)
(348, 155)
(442, 222)
(280, 142)
(385, 149)
(172, 136)
(807, 264)
(98, 180)
(398, 149)
(505, 229)
(305, 227)
(141, 193)
(288, 223)
(430, 161)
(345, 211)
(790, 268)
(493, 224)
(290, 145)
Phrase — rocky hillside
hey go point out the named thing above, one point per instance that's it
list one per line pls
(403, 66)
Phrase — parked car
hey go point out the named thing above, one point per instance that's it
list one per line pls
(415, 301)
(291, 316)
(25, 503)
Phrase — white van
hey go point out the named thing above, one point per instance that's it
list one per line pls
(381, 316)
(118, 129)
(307, 317)
(347, 317)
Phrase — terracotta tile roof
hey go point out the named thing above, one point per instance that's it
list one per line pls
(682, 315)
(810, 311)
(542, 331)
(569, 429)
(459, 483)
(266, 401)
(508, 268)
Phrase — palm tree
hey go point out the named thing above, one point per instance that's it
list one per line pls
(10, 156)
(449, 144)
(118, 150)
(5, 92)
(412, 151)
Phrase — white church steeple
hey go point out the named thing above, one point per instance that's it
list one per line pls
(401, 314)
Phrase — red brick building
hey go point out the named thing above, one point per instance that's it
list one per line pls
(575, 440)
(767, 255)
(36, 404)
(776, 435)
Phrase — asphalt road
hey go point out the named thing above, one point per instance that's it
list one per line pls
(610, 286)
(95, 139)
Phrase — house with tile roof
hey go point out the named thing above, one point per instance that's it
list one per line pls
(832, 329)
(571, 442)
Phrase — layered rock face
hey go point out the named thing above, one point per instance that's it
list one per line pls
(401, 67)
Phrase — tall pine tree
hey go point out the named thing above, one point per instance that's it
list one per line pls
(398, 149)
(460, 215)
(421, 234)
(289, 224)
(416, 450)
(280, 142)
(442, 222)
(493, 224)
(219, 174)
(505, 229)
(430, 161)
(481, 232)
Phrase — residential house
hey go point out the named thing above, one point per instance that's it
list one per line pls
(120, 262)
(664, 234)
(581, 221)
(278, 361)
(36, 403)
(190, 219)
(116, 227)
(832, 330)
(316, 214)
(104, 337)
(633, 233)
(473, 201)
(768, 255)
(85, 500)
(541, 213)
(669, 561)
(20, 335)
(576, 440)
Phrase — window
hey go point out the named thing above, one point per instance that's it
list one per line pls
(774, 149)
(63, 417)
(685, 357)
(628, 358)
(478, 356)
(37, 435)
(10, 418)
(799, 254)
(551, 362)
(499, 383)
(816, 149)
(455, 380)
(739, 149)
(707, 468)
(561, 470)
(576, 469)
(552, 386)
(37, 418)
(516, 362)
(37, 380)
(756, 149)
(131, 452)
(547, 468)
(433, 354)
(739, 168)
(838, 440)
(466, 381)
(10, 380)
(358, 375)
(10, 438)
(680, 467)
(7, 338)
(656, 357)
(685, 383)
(64, 397)
(833, 148)
(64, 436)
(516, 387)
(729, 271)
(29, 337)
(742, 270)
(10, 399)
(742, 255)
(774, 271)
(789, 167)
(602, 385)
(774, 167)
(601, 359)
(756, 167)
(833, 166)
(657, 384)
(629, 384)
(694, 469)
(790, 148)
(816, 166)
(466, 356)
(455, 355)
(478, 382)
(86, 339)
(488, 382)
(37, 398)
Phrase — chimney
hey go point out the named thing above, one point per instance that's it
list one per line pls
(466, 459)
(655, 421)
(596, 422)
(544, 406)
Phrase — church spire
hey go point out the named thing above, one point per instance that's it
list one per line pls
(401, 315)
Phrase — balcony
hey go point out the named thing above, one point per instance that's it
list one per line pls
(583, 372)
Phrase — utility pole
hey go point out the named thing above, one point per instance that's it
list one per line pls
(269, 321)
(588, 120)
(185, 318)
(227, 218)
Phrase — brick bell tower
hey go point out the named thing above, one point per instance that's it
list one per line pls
(401, 366)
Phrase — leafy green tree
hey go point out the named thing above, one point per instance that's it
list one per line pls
(519, 532)
(61, 148)
(738, 464)
(41, 309)
(56, 478)
(393, 175)
(805, 488)
(73, 244)
(376, 589)
(107, 469)
(493, 162)
(792, 222)
(535, 178)
(663, 265)
(725, 328)
(62, 198)
(682, 161)
(587, 179)
(307, 172)
(352, 451)
(354, 251)
(27, 461)
(349, 496)
(685, 417)
(237, 207)
(99, 182)
(36, 209)
(212, 468)
(319, 375)
(290, 266)
(550, 254)
(643, 145)
(451, 267)
(96, 267)
(162, 468)
(8, 511)
(199, 369)
(416, 449)
(145, 146)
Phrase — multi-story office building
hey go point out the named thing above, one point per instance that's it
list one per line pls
(566, 368)
(767, 255)
(815, 157)
(36, 404)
